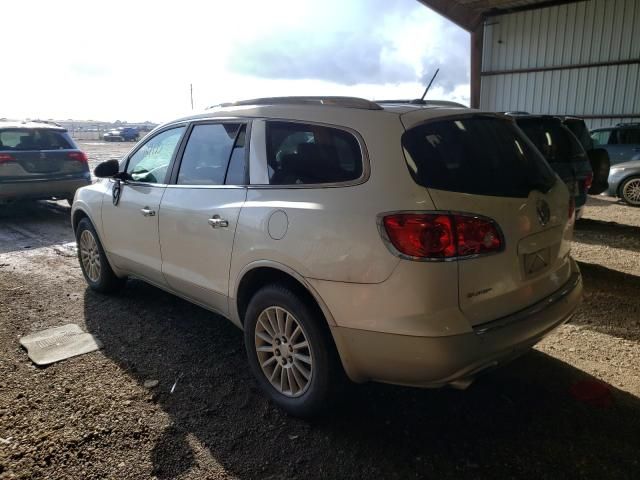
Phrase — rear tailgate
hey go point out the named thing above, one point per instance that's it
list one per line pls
(483, 165)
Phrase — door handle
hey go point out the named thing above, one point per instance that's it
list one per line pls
(147, 212)
(217, 222)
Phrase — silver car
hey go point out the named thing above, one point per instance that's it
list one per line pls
(624, 182)
(410, 244)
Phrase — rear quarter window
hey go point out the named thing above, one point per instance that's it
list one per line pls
(306, 154)
(476, 155)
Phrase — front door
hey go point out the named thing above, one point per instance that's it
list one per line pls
(200, 210)
(130, 217)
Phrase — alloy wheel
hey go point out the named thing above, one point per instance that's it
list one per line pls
(283, 351)
(90, 255)
(631, 191)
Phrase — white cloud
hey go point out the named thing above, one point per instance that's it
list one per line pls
(135, 60)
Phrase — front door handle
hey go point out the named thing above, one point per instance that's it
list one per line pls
(217, 222)
(147, 212)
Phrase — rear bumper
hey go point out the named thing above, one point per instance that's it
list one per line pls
(42, 188)
(457, 359)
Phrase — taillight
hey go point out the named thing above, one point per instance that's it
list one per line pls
(588, 182)
(6, 158)
(572, 207)
(79, 156)
(441, 236)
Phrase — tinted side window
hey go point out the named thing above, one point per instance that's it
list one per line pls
(629, 136)
(206, 155)
(299, 154)
(478, 155)
(555, 141)
(150, 162)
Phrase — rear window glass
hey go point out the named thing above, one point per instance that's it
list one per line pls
(34, 139)
(580, 130)
(555, 141)
(477, 155)
(310, 154)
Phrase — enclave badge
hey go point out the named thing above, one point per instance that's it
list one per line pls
(543, 211)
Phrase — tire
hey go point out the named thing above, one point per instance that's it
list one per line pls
(630, 191)
(95, 268)
(308, 394)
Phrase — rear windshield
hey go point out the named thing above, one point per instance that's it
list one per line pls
(555, 141)
(34, 139)
(580, 130)
(477, 155)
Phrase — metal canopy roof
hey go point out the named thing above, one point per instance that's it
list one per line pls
(469, 13)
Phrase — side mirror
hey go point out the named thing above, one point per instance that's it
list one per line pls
(600, 164)
(107, 169)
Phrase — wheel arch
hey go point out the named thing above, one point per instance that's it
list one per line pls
(258, 274)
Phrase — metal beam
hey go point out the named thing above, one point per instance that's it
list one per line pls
(631, 61)
(477, 43)
(493, 12)
(462, 16)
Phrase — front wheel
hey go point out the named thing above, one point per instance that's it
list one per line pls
(290, 353)
(630, 191)
(93, 261)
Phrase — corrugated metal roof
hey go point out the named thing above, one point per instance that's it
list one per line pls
(485, 6)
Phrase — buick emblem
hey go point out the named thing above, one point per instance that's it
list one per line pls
(543, 211)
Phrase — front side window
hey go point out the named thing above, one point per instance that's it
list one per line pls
(150, 162)
(207, 154)
(601, 137)
(303, 154)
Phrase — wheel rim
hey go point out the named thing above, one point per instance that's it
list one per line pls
(631, 191)
(283, 351)
(90, 255)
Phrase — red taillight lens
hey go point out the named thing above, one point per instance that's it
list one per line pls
(476, 236)
(588, 182)
(572, 207)
(5, 158)
(435, 236)
(79, 156)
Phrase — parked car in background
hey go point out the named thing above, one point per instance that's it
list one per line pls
(598, 157)
(622, 141)
(409, 244)
(563, 151)
(40, 161)
(122, 134)
(624, 182)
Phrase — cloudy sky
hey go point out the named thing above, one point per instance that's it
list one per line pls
(134, 61)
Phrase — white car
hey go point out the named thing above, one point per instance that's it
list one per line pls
(410, 244)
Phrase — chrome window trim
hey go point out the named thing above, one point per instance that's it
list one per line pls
(258, 168)
(391, 247)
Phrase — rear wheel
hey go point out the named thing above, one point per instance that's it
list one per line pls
(93, 261)
(630, 191)
(291, 355)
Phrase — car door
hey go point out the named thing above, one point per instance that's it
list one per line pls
(130, 217)
(200, 209)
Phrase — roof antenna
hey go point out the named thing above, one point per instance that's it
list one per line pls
(426, 90)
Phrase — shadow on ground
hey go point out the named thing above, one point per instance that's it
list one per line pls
(31, 224)
(611, 234)
(519, 421)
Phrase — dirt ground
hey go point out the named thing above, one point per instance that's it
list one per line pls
(90, 417)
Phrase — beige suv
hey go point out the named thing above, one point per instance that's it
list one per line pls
(410, 244)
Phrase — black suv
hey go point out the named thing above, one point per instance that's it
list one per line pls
(40, 161)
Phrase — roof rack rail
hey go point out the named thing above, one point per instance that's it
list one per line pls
(428, 103)
(628, 124)
(347, 102)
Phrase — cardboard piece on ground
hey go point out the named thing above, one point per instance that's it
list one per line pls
(58, 343)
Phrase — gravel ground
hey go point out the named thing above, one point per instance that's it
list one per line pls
(91, 416)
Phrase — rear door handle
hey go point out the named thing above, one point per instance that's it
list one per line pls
(217, 222)
(147, 212)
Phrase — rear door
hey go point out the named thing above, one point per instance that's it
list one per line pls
(484, 165)
(200, 209)
(39, 154)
